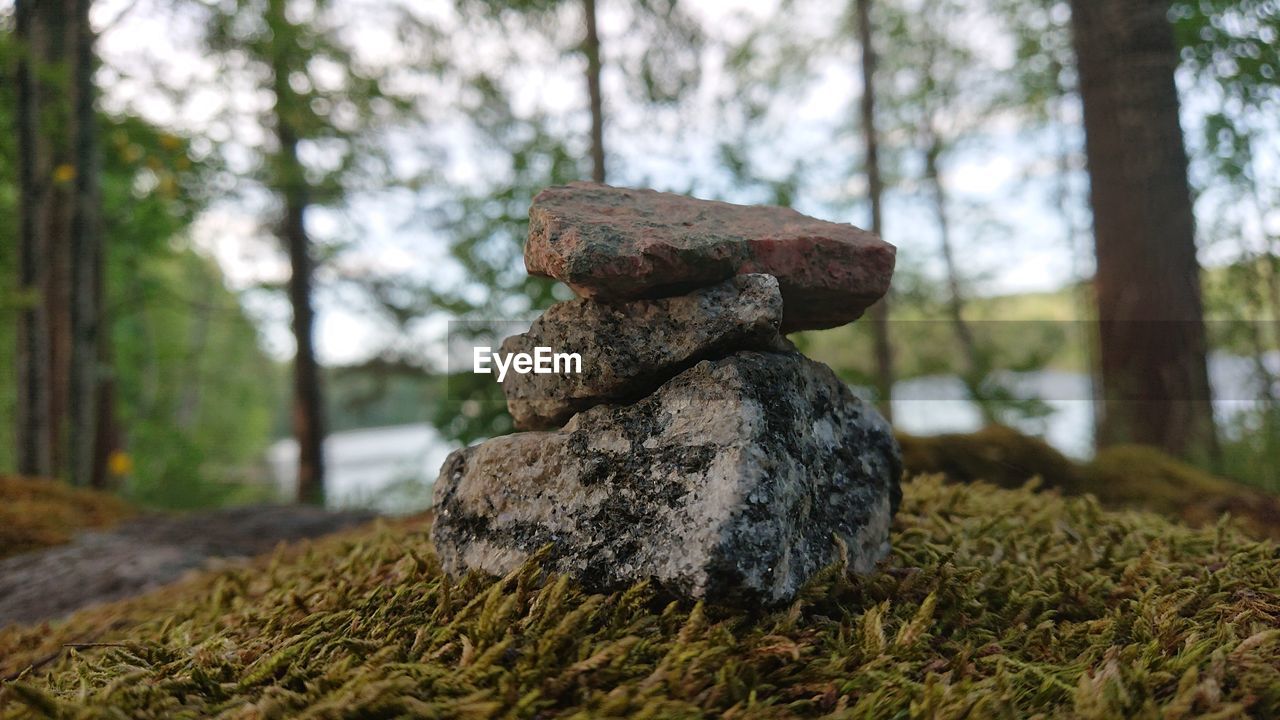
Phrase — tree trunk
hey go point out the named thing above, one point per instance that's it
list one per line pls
(975, 370)
(1154, 378)
(107, 435)
(291, 184)
(86, 259)
(51, 177)
(34, 434)
(53, 98)
(591, 48)
(875, 188)
(107, 438)
(308, 413)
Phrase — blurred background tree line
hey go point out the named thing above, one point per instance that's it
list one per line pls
(230, 221)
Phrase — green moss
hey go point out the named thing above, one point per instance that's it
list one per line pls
(994, 603)
(37, 513)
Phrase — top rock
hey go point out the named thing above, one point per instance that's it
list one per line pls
(616, 243)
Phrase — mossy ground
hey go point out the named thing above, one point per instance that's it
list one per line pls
(994, 603)
(37, 513)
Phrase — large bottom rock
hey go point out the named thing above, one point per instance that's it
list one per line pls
(730, 482)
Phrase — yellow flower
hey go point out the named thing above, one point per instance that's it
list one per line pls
(64, 173)
(119, 463)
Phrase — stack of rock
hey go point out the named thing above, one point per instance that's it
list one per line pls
(697, 448)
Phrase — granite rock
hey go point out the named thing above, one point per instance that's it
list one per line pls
(730, 482)
(618, 243)
(628, 349)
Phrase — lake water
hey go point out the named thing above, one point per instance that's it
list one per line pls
(387, 468)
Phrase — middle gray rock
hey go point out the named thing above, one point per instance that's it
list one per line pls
(631, 348)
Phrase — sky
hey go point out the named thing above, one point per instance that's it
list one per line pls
(1009, 235)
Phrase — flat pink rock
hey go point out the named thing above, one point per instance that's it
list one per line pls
(621, 244)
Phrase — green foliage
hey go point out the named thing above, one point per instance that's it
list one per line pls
(9, 295)
(937, 92)
(1026, 331)
(373, 396)
(332, 98)
(472, 408)
(462, 406)
(192, 423)
(993, 603)
(1243, 300)
(487, 225)
(661, 70)
(195, 424)
(1251, 447)
(524, 147)
(1043, 72)
(1231, 50)
(1235, 45)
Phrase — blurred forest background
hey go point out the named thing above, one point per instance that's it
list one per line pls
(235, 228)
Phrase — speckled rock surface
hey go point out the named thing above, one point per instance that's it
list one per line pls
(607, 242)
(631, 348)
(729, 482)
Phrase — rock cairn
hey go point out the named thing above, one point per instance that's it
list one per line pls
(697, 448)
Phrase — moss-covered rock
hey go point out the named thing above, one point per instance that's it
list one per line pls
(997, 454)
(1143, 477)
(1125, 476)
(994, 603)
(37, 513)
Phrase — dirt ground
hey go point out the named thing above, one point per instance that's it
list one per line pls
(147, 552)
